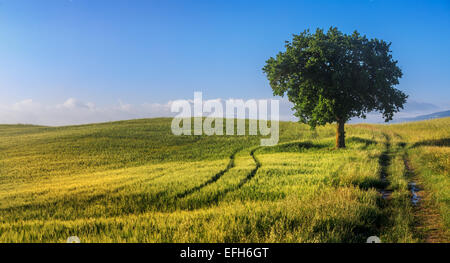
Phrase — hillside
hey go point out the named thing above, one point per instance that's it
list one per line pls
(133, 181)
(435, 115)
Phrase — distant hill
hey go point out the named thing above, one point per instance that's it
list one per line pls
(436, 115)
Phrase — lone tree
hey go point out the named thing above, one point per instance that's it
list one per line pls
(332, 77)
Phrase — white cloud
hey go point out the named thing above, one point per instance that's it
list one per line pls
(73, 111)
(72, 103)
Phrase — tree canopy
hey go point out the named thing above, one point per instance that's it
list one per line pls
(333, 77)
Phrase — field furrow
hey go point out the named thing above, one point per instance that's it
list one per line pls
(134, 181)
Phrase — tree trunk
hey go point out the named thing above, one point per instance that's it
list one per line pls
(340, 134)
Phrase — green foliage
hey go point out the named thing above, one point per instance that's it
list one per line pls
(333, 76)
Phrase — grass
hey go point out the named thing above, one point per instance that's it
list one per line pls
(133, 181)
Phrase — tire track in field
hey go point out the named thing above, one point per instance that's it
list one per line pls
(409, 171)
(247, 178)
(427, 222)
(212, 179)
(421, 226)
(215, 198)
(385, 161)
(219, 195)
(252, 172)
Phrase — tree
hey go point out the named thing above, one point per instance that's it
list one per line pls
(332, 77)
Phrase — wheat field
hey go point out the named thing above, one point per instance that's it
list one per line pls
(133, 181)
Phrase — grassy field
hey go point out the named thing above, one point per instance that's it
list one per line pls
(133, 181)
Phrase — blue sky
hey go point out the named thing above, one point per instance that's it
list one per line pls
(124, 53)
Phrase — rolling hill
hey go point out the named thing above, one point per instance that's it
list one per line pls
(435, 115)
(133, 181)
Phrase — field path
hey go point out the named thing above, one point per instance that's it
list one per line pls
(384, 161)
(253, 172)
(214, 189)
(428, 223)
(212, 179)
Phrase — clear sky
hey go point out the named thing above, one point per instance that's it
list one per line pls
(107, 53)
